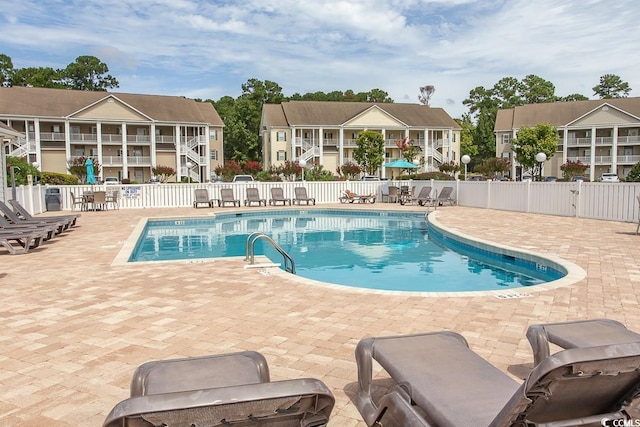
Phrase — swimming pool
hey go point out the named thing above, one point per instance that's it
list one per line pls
(369, 249)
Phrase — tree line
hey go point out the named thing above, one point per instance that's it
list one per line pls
(241, 116)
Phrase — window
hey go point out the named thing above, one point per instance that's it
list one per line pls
(282, 155)
(56, 129)
(328, 135)
(214, 155)
(213, 135)
(506, 138)
(79, 152)
(94, 130)
(282, 136)
(355, 135)
(93, 152)
(74, 129)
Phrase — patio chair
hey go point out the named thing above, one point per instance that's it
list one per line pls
(441, 381)
(577, 333)
(22, 212)
(78, 200)
(201, 196)
(300, 195)
(13, 218)
(113, 197)
(277, 196)
(227, 196)
(394, 194)
(228, 389)
(99, 201)
(253, 196)
(424, 196)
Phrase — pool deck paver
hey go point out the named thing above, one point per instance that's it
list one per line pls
(74, 326)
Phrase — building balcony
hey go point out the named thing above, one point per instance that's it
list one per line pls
(112, 160)
(628, 160)
(48, 136)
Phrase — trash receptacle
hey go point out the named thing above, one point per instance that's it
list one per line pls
(53, 199)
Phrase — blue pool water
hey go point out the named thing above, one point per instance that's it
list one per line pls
(376, 250)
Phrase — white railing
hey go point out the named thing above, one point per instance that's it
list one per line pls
(605, 201)
(83, 137)
(139, 139)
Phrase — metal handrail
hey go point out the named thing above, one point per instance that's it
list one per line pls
(289, 264)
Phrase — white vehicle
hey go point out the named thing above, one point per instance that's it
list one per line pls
(609, 177)
(242, 178)
(111, 180)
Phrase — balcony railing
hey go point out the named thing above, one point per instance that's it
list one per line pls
(112, 160)
(138, 160)
(139, 139)
(111, 138)
(83, 137)
(47, 136)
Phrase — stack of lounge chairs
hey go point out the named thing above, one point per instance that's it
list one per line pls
(21, 232)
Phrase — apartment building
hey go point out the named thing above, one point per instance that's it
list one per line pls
(128, 134)
(325, 133)
(603, 134)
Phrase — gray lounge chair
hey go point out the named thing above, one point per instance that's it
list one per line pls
(578, 333)
(253, 196)
(227, 196)
(13, 218)
(444, 196)
(441, 382)
(7, 227)
(201, 196)
(277, 196)
(424, 196)
(229, 389)
(21, 211)
(300, 195)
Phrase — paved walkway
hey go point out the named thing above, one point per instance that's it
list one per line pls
(74, 327)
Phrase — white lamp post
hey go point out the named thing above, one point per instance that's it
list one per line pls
(189, 166)
(303, 164)
(416, 163)
(540, 158)
(465, 159)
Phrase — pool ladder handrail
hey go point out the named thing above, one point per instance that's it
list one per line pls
(289, 264)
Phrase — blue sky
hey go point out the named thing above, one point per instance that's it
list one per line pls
(208, 49)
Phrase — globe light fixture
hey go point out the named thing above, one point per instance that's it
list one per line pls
(189, 166)
(303, 164)
(465, 159)
(540, 158)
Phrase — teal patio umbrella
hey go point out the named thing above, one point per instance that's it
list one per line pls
(400, 164)
(91, 177)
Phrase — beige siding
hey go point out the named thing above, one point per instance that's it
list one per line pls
(54, 161)
(374, 118)
(110, 109)
(610, 116)
(167, 159)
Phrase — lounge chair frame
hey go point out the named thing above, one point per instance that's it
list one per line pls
(440, 381)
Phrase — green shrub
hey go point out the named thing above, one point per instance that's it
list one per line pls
(54, 178)
(634, 174)
(438, 176)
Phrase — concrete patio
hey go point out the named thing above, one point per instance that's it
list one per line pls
(75, 326)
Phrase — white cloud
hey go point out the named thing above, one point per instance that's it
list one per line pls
(209, 48)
